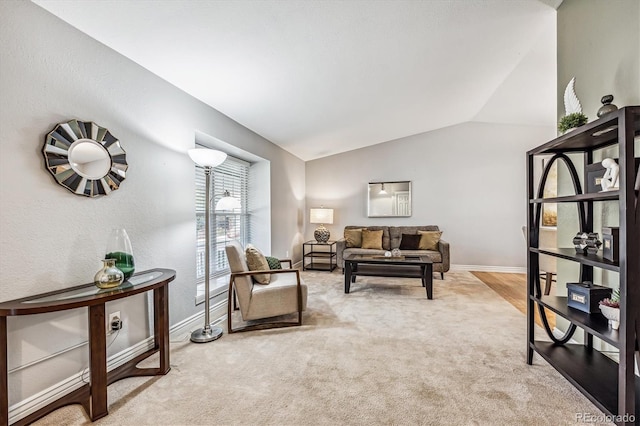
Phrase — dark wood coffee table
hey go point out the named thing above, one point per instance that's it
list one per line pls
(380, 266)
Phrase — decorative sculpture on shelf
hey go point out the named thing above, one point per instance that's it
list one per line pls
(573, 110)
(607, 106)
(610, 180)
(587, 242)
(580, 242)
(593, 243)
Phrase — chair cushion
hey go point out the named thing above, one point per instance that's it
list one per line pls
(410, 241)
(257, 262)
(429, 240)
(353, 237)
(372, 239)
(278, 298)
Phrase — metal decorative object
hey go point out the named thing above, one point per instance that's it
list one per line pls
(593, 243)
(587, 242)
(607, 106)
(580, 242)
(85, 158)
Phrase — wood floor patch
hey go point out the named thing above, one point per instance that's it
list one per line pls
(513, 288)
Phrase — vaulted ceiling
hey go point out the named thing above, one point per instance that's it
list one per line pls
(323, 77)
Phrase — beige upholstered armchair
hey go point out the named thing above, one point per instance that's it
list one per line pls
(285, 294)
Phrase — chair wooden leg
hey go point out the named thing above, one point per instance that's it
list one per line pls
(547, 283)
(442, 275)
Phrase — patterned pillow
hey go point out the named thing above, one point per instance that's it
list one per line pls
(429, 240)
(353, 237)
(372, 239)
(257, 262)
(274, 262)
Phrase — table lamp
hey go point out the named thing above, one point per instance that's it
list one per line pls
(322, 216)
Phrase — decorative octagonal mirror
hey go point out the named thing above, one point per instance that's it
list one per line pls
(85, 158)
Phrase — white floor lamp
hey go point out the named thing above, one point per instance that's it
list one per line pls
(208, 159)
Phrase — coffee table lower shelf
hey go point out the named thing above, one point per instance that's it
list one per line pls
(420, 267)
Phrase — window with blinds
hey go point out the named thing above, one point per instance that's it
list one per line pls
(232, 176)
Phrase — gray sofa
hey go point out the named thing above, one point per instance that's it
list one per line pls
(391, 237)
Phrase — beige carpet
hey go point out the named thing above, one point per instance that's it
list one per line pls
(382, 355)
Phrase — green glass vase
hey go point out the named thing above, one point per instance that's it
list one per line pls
(119, 248)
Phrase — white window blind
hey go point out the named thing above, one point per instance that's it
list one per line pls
(232, 176)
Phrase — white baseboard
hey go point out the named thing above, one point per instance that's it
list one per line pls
(484, 268)
(178, 332)
(182, 330)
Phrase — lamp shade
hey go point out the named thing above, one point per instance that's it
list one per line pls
(206, 157)
(228, 203)
(321, 215)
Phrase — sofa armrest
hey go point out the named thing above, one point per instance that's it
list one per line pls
(340, 246)
(443, 248)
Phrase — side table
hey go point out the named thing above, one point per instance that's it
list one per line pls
(93, 396)
(314, 250)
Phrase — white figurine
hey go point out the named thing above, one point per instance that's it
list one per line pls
(610, 179)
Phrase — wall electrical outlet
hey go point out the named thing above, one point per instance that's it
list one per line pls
(115, 322)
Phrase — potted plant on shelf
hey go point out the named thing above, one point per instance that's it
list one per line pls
(610, 308)
(572, 121)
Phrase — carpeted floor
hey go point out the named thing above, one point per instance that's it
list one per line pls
(381, 355)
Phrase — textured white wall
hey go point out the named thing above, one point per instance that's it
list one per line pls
(599, 45)
(468, 179)
(51, 239)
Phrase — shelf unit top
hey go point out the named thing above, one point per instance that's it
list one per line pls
(597, 134)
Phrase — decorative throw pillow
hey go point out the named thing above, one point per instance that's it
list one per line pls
(410, 241)
(353, 237)
(257, 262)
(429, 240)
(274, 262)
(372, 239)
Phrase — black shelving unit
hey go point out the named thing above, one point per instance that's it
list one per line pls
(319, 256)
(612, 386)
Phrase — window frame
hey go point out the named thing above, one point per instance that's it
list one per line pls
(233, 175)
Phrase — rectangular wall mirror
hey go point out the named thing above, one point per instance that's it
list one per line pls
(389, 199)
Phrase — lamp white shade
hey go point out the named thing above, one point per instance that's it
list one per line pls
(206, 157)
(321, 215)
(228, 203)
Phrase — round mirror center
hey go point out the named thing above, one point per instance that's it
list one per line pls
(89, 159)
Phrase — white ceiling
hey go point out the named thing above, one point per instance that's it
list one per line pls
(324, 77)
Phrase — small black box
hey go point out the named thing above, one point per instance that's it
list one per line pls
(595, 173)
(586, 297)
(610, 241)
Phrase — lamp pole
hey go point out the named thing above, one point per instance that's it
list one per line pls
(208, 159)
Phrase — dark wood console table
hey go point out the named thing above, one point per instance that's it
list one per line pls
(93, 396)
